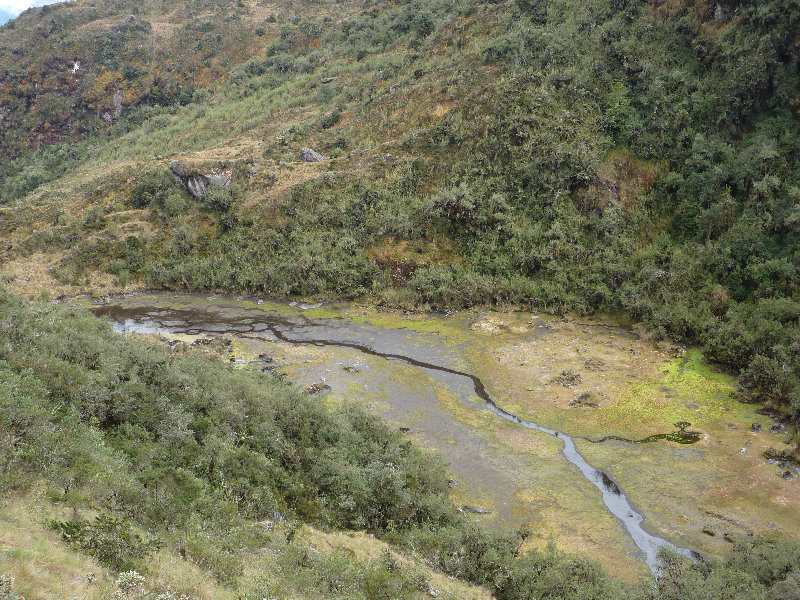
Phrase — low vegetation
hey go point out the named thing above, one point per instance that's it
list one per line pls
(151, 452)
(608, 156)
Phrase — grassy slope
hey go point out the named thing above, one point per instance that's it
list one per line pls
(44, 568)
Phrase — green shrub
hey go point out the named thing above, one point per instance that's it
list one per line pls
(176, 204)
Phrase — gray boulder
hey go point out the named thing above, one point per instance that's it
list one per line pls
(197, 183)
(309, 155)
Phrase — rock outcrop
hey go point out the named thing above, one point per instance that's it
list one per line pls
(309, 155)
(197, 183)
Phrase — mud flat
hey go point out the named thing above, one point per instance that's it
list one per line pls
(461, 384)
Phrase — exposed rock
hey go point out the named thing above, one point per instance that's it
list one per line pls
(584, 400)
(775, 428)
(317, 388)
(309, 155)
(755, 427)
(787, 475)
(476, 510)
(197, 183)
(117, 103)
(567, 378)
(178, 168)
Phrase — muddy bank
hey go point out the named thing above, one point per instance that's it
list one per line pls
(420, 372)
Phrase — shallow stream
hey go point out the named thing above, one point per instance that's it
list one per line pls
(217, 317)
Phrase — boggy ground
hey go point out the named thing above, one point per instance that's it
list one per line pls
(537, 367)
(721, 484)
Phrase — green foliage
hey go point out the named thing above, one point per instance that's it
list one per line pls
(92, 404)
(153, 189)
(161, 443)
(110, 540)
(218, 197)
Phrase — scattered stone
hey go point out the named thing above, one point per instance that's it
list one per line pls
(755, 427)
(309, 155)
(432, 591)
(475, 510)
(317, 388)
(267, 525)
(329, 80)
(584, 400)
(708, 530)
(787, 475)
(352, 369)
(404, 429)
(775, 428)
(732, 426)
(452, 483)
(743, 451)
(567, 378)
(265, 358)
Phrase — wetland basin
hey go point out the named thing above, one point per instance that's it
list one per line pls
(511, 450)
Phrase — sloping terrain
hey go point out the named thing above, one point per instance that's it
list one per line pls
(627, 158)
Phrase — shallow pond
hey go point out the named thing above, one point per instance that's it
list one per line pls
(444, 381)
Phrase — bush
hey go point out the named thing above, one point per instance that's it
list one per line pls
(218, 197)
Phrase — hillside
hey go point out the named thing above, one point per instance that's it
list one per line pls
(637, 160)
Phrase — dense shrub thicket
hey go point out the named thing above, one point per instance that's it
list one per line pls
(178, 451)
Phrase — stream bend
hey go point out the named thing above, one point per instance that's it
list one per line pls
(162, 320)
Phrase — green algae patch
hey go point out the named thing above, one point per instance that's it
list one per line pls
(689, 391)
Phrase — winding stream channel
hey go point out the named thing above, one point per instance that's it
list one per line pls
(217, 317)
